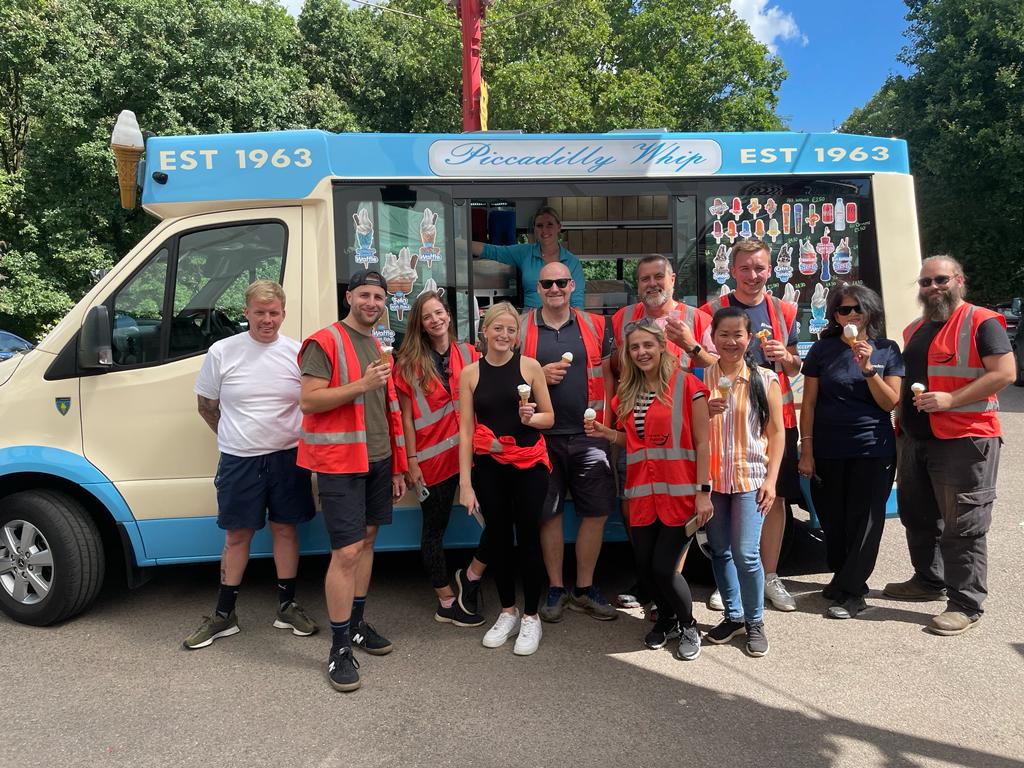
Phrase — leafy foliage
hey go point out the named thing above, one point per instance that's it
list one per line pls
(67, 67)
(962, 114)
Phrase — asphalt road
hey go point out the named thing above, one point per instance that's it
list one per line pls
(113, 688)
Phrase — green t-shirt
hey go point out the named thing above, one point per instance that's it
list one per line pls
(314, 362)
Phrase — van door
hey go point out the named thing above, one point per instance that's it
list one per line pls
(139, 419)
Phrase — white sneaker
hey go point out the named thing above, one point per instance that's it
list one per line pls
(529, 636)
(777, 594)
(506, 626)
(715, 602)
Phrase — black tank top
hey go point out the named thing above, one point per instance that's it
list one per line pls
(496, 401)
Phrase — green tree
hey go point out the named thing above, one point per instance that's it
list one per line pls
(961, 111)
(67, 68)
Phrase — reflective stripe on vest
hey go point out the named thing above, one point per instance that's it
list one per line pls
(668, 489)
(963, 355)
(671, 453)
(438, 449)
(332, 438)
(427, 416)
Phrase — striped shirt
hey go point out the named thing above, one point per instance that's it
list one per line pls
(643, 402)
(739, 449)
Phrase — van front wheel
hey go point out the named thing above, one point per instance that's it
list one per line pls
(51, 557)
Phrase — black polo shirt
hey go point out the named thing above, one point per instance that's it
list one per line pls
(569, 397)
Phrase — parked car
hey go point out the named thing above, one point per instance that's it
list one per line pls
(10, 345)
(1010, 310)
(1018, 353)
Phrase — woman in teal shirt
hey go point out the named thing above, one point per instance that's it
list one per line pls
(531, 257)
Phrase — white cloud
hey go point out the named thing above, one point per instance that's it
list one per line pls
(769, 24)
(294, 6)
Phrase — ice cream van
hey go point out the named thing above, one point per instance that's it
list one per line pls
(105, 464)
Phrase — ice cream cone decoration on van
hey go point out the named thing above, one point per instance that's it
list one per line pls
(127, 143)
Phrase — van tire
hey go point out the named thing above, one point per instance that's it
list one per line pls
(76, 550)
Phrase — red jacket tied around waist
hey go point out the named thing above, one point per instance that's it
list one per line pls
(505, 451)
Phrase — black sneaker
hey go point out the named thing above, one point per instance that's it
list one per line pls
(364, 636)
(847, 608)
(832, 592)
(689, 643)
(725, 631)
(455, 615)
(757, 640)
(341, 670)
(467, 593)
(663, 631)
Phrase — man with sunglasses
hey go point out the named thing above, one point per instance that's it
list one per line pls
(949, 444)
(574, 348)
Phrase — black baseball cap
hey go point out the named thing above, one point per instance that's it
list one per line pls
(367, 277)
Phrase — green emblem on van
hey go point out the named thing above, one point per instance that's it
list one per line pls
(63, 405)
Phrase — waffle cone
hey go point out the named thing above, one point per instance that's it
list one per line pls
(127, 170)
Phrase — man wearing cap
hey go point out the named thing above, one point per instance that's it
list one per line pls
(949, 444)
(574, 349)
(352, 438)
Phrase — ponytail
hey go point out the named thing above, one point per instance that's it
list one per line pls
(758, 395)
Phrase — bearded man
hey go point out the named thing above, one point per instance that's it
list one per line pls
(958, 356)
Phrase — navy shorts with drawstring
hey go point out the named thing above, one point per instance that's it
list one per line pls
(251, 488)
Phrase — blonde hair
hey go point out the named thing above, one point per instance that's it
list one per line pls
(415, 362)
(501, 308)
(264, 290)
(633, 380)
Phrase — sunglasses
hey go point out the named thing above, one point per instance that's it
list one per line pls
(845, 310)
(561, 282)
(924, 282)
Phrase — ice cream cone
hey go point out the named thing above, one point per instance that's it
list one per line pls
(385, 355)
(524, 393)
(589, 416)
(917, 388)
(763, 335)
(127, 158)
(567, 357)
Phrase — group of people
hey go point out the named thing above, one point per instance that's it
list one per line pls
(695, 406)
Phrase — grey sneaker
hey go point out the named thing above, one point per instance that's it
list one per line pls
(848, 608)
(593, 602)
(212, 628)
(757, 640)
(689, 643)
(554, 604)
(778, 595)
(294, 618)
(715, 602)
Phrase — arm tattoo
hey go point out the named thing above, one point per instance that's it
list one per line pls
(210, 411)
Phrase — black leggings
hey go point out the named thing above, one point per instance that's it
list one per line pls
(510, 501)
(850, 502)
(437, 509)
(657, 548)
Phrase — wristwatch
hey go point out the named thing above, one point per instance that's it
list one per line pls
(697, 349)
(704, 488)
(869, 373)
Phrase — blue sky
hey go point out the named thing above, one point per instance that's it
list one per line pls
(838, 52)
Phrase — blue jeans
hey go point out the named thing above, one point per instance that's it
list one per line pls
(734, 537)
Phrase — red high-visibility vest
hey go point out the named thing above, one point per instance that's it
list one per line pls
(777, 308)
(592, 331)
(435, 416)
(504, 449)
(335, 441)
(661, 469)
(698, 320)
(954, 362)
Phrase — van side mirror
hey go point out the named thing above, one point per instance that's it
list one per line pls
(95, 341)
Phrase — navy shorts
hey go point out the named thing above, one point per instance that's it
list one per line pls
(579, 465)
(351, 502)
(250, 487)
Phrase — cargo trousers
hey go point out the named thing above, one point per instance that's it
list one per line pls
(946, 490)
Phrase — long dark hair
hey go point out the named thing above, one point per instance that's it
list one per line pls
(757, 394)
(870, 302)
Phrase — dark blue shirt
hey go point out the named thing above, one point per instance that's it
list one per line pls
(760, 320)
(847, 421)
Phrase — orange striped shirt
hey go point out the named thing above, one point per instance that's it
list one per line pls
(739, 449)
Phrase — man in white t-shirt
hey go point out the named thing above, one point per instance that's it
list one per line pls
(248, 392)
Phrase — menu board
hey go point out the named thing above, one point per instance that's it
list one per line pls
(405, 243)
(814, 242)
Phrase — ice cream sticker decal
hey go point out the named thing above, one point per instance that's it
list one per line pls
(429, 252)
(721, 268)
(784, 263)
(365, 253)
(400, 274)
(818, 301)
